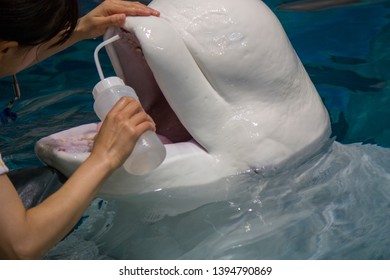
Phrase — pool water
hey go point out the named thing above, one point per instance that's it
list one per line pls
(335, 206)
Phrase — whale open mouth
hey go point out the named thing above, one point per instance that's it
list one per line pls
(223, 85)
(130, 63)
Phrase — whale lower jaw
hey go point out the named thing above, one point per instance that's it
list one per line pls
(186, 164)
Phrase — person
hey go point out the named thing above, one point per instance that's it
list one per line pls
(30, 31)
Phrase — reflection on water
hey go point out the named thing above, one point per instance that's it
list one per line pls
(335, 206)
(346, 53)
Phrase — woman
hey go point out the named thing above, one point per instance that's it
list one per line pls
(30, 31)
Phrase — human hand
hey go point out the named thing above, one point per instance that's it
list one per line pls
(110, 13)
(119, 132)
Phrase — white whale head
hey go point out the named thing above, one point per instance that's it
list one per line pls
(224, 86)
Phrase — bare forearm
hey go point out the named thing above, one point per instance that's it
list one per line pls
(32, 234)
(61, 211)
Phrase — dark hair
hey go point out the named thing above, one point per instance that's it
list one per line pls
(33, 22)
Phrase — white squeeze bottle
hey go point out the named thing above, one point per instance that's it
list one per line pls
(148, 152)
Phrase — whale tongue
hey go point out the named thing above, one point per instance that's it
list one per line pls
(137, 74)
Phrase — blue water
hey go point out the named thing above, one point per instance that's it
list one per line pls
(336, 206)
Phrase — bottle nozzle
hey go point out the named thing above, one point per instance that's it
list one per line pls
(98, 48)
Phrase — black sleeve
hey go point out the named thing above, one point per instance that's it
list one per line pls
(36, 184)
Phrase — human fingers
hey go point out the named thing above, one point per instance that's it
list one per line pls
(129, 108)
(113, 13)
(110, 13)
(128, 8)
(127, 103)
(117, 137)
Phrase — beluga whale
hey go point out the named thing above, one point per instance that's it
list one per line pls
(226, 89)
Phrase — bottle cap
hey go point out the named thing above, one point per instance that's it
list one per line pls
(105, 84)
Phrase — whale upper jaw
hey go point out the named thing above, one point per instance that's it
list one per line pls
(233, 80)
(234, 83)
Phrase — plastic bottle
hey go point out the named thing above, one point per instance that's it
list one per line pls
(148, 152)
